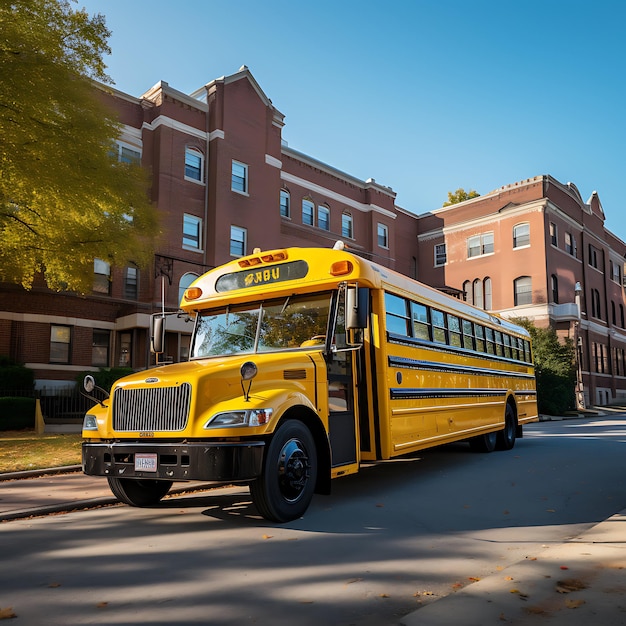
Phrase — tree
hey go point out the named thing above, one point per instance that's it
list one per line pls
(555, 369)
(460, 195)
(64, 198)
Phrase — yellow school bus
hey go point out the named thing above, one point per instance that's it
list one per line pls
(304, 363)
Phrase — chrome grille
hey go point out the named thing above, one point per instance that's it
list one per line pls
(152, 408)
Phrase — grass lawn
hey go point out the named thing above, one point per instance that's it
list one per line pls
(25, 450)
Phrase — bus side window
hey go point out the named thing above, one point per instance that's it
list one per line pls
(468, 335)
(396, 318)
(421, 325)
(499, 346)
(491, 346)
(454, 331)
(439, 326)
(507, 346)
(480, 338)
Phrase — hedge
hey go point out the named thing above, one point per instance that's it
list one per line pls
(17, 413)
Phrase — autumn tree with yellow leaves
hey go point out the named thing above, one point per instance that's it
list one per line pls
(65, 200)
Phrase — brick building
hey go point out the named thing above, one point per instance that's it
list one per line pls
(224, 182)
(536, 249)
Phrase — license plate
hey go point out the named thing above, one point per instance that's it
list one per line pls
(146, 462)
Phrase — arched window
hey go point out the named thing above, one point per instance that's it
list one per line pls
(478, 294)
(285, 203)
(521, 235)
(194, 164)
(467, 292)
(488, 294)
(554, 286)
(347, 229)
(523, 290)
(308, 212)
(184, 282)
(596, 310)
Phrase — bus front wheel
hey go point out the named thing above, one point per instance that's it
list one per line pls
(138, 492)
(285, 488)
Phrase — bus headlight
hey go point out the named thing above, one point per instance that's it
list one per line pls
(90, 422)
(247, 417)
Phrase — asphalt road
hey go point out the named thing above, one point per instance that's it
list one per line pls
(391, 539)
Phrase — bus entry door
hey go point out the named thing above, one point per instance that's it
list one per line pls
(342, 423)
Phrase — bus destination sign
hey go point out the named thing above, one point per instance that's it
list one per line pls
(293, 270)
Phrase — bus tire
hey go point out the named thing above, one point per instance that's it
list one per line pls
(285, 488)
(484, 443)
(138, 492)
(506, 437)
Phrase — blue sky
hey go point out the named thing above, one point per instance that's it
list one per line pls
(423, 96)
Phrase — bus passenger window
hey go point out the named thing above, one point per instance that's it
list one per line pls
(396, 318)
(499, 346)
(468, 335)
(480, 338)
(421, 327)
(491, 346)
(454, 331)
(439, 326)
(507, 346)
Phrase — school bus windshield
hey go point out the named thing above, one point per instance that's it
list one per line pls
(280, 324)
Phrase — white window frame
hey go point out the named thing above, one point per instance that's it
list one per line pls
(285, 207)
(523, 290)
(521, 239)
(239, 178)
(122, 150)
(310, 210)
(61, 335)
(440, 253)
(195, 154)
(554, 235)
(347, 226)
(188, 237)
(238, 235)
(382, 233)
(323, 217)
(131, 279)
(480, 245)
(102, 277)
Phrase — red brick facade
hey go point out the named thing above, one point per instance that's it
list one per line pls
(229, 128)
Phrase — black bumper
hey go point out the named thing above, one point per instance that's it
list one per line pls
(191, 461)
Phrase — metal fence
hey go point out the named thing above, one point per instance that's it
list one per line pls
(57, 403)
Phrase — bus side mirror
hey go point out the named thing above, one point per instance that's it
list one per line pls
(357, 307)
(157, 334)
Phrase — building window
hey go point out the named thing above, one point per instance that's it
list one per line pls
(237, 241)
(613, 315)
(285, 203)
(570, 244)
(383, 236)
(478, 294)
(127, 154)
(194, 160)
(323, 217)
(346, 226)
(480, 245)
(239, 177)
(102, 276)
(521, 235)
(308, 212)
(554, 286)
(523, 290)
(553, 234)
(468, 296)
(192, 232)
(441, 254)
(184, 282)
(594, 255)
(100, 348)
(126, 350)
(487, 288)
(616, 273)
(60, 337)
(131, 283)
(596, 310)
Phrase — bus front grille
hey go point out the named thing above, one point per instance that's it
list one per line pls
(152, 409)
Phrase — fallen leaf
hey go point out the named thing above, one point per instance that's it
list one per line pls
(505, 512)
(54, 585)
(306, 601)
(102, 605)
(550, 510)
(570, 584)
(564, 567)
(354, 580)
(457, 586)
(534, 610)
(7, 613)
(474, 579)
(267, 536)
(508, 578)
(383, 595)
(380, 506)
(574, 604)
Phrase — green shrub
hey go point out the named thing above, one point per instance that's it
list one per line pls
(15, 378)
(17, 413)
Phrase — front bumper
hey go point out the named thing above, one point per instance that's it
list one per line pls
(190, 461)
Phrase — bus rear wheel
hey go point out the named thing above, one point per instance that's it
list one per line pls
(138, 492)
(285, 488)
(484, 443)
(506, 437)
